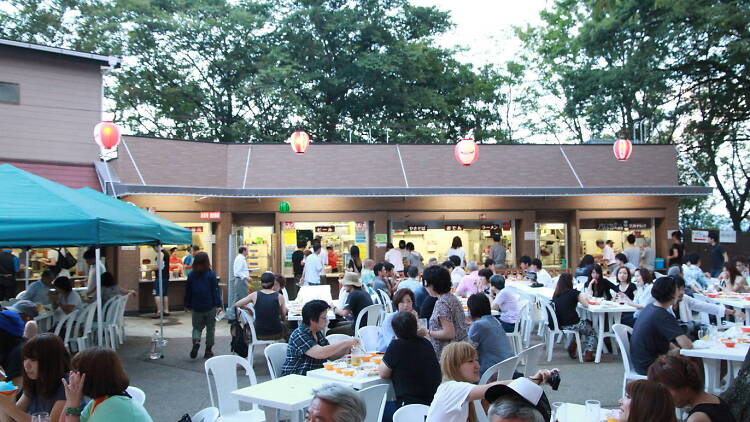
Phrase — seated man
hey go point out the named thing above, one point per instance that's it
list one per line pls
(356, 300)
(308, 348)
(411, 281)
(521, 400)
(486, 333)
(379, 283)
(542, 276)
(656, 328)
(269, 309)
(468, 284)
(695, 278)
(38, 291)
(686, 305)
(27, 310)
(334, 403)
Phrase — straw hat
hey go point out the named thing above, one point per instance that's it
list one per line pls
(351, 279)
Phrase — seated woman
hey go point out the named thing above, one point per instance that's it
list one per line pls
(643, 279)
(597, 285)
(110, 289)
(624, 284)
(98, 374)
(448, 321)
(308, 348)
(585, 266)
(65, 300)
(734, 282)
(45, 363)
(646, 401)
(506, 302)
(684, 380)
(403, 301)
(411, 364)
(460, 367)
(565, 300)
(269, 309)
(486, 333)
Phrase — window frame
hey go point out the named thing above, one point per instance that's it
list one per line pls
(18, 86)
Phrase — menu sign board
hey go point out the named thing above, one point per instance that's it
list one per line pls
(494, 227)
(620, 225)
(418, 228)
(210, 215)
(454, 227)
(289, 225)
(195, 229)
(360, 226)
(325, 229)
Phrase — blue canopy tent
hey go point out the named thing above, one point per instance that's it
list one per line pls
(37, 212)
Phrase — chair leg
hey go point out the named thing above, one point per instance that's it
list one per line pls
(580, 347)
(550, 343)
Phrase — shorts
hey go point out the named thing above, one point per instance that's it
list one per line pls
(164, 288)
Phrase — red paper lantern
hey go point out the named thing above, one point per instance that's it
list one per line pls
(299, 141)
(622, 149)
(107, 135)
(466, 151)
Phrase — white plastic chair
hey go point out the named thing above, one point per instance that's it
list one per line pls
(552, 333)
(374, 399)
(68, 322)
(621, 335)
(82, 333)
(137, 394)
(516, 337)
(285, 294)
(224, 370)
(111, 312)
(531, 357)
(20, 294)
(369, 336)
(119, 316)
(411, 413)
(248, 320)
(337, 338)
(479, 411)
(374, 314)
(209, 414)
(275, 356)
(504, 370)
(385, 300)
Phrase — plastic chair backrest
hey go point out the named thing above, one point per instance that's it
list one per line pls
(209, 414)
(504, 370)
(385, 300)
(621, 335)
(549, 311)
(337, 338)
(65, 320)
(250, 322)
(285, 294)
(20, 294)
(533, 354)
(374, 399)
(369, 336)
(275, 357)
(373, 313)
(137, 394)
(411, 413)
(90, 312)
(523, 308)
(224, 370)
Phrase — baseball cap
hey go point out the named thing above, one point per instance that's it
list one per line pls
(524, 389)
(11, 323)
(25, 307)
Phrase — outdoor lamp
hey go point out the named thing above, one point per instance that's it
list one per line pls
(299, 141)
(107, 135)
(622, 149)
(466, 151)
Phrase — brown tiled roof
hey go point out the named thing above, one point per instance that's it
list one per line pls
(149, 165)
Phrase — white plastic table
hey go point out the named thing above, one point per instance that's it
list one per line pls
(572, 412)
(599, 312)
(712, 358)
(358, 382)
(297, 316)
(292, 393)
(738, 303)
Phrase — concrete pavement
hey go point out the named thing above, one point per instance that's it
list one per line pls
(177, 384)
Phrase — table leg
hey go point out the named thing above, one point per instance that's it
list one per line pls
(270, 414)
(600, 337)
(712, 368)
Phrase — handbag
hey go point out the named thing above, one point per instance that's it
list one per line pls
(66, 261)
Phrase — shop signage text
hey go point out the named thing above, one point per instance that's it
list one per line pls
(325, 229)
(619, 225)
(699, 236)
(289, 225)
(493, 227)
(454, 227)
(418, 228)
(195, 229)
(360, 226)
(210, 215)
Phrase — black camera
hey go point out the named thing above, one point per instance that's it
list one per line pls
(554, 380)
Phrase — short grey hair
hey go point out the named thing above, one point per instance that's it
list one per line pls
(349, 407)
(514, 408)
(472, 266)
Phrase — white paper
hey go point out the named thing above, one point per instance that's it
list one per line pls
(728, 236)
(699, 236)
(529, 235)
(127, 248)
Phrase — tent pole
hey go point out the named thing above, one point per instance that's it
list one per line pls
(99, 317)
(26, 269)
(161, 263)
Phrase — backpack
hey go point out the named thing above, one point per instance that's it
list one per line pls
(239, 343)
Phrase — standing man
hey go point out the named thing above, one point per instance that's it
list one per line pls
(323, 255)
(298, 264)
(9, 266)
(241, 275)
(313, 268)
(158, 293)
(718, 255)
(333, 259)
(187, 261)
(395, 257)
(498, 251)
(608, 255)
(90, 256)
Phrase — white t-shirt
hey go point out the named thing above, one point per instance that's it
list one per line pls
(608, 254)
(91, 283)
(449, 403)
(457, 275)
(395, 257)
(458, 252)
(313, 269)
(542, 276)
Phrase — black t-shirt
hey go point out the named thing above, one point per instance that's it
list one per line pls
(357, 300)
(715, 411)
(603, 287)
(655, 328)
(717, 256)
(12, 363)
(629, 292)
(565, 308)
(297, 257)
(416, 371)
(680, 252)
(425, 310)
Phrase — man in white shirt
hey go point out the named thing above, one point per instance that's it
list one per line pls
(395, 257)
(240, 276)
(90, 256)
(314, 270)
(608, 255)
(542, 276)
(323, 255)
